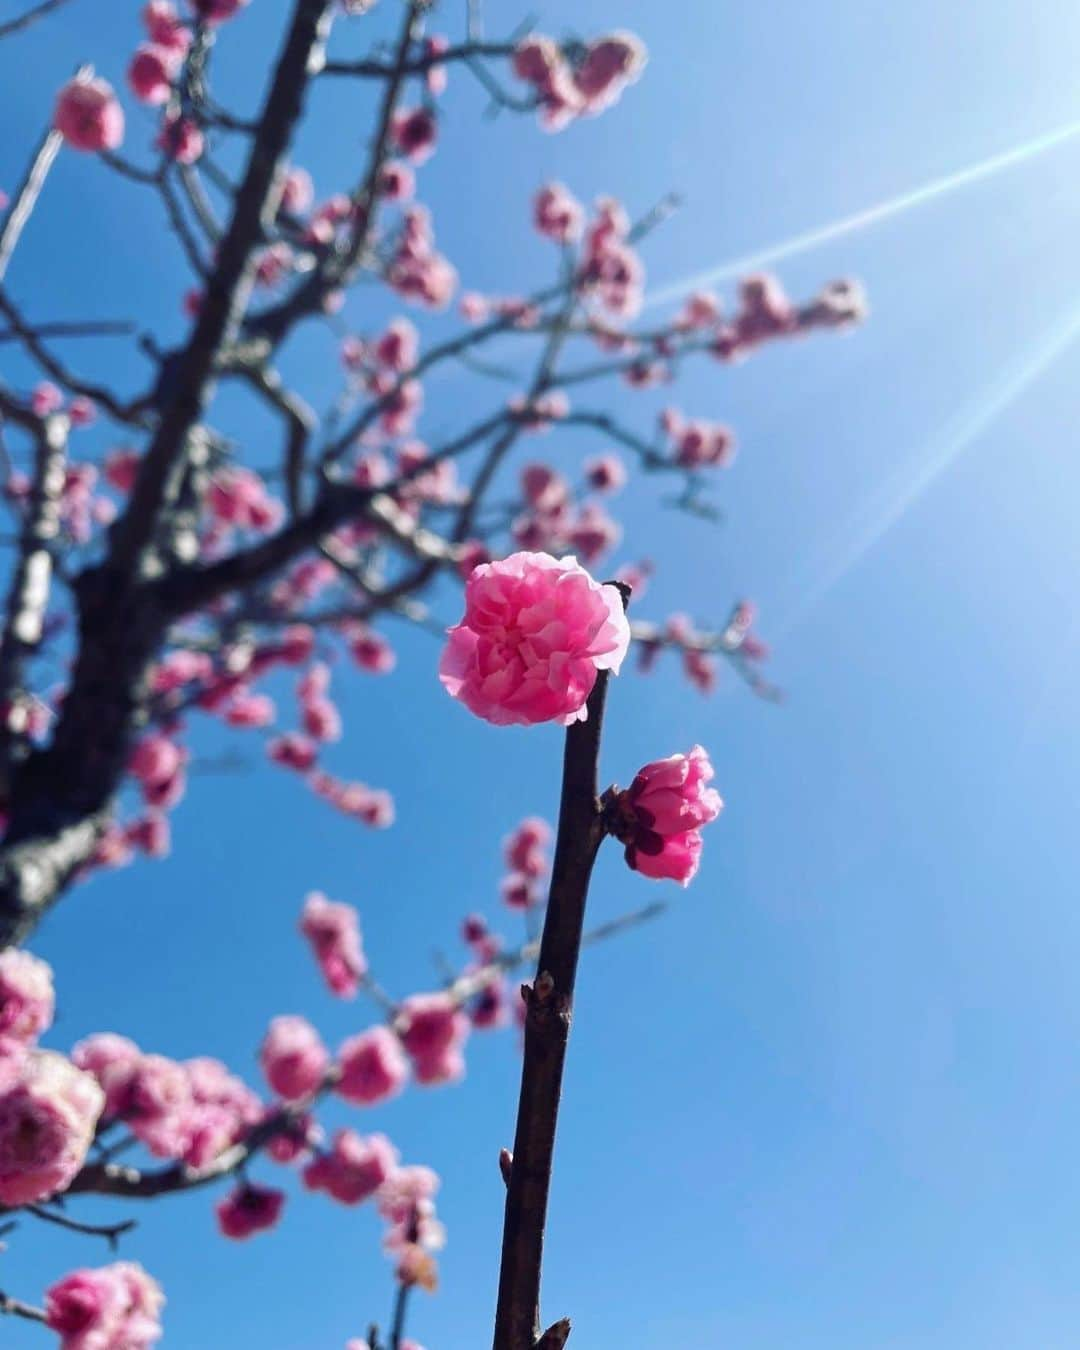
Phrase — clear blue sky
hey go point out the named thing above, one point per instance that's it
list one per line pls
(832, 1099)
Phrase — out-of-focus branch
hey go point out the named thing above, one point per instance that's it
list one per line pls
(28, 594)
(30, 16)
(419, 65)
(74, 328)
(13, 1307)
(26, 196)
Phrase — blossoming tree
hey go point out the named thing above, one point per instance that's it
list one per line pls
(174, 580)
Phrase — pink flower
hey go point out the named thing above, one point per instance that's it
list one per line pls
(371, 651)
(46, 399)
(86, 1309)
(524, 849)
(322, 721)
(333, 930)
(398, 346)
(182, 139)
(121, 468)
(609, 65)
(82, 411)
(47, 1120)
(151, 834)
(248, 1210)
(557, 214)
(606, 473)
(217, 11)
(111, 1060)
(26, 995)
(433, 1030)
(660, 816)
(164, 27)
(89, 116)
(293, 751)
(246, 709)
(535, 633)
(373, 1067)
(298, 191)
(414, 131)
(152, 71)
(354, 1169)
(116, 1307)
(518, 891)
(397, 183)
(293, 1058)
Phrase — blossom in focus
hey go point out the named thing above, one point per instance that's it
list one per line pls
(660, 816)
(535, 633)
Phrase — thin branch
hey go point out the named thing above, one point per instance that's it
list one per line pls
(112, 1233)
(549, 1004)
(75, 329)
(419, 65)
(27, 195)
(31, 16)
(12, 1307)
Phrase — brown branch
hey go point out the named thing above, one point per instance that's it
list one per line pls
(12, 1307)
(111, 1232)
(228, 285)
(30, 16)
(549, 1004)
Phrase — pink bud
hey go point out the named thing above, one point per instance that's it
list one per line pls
(89, 116)
(373, 1067)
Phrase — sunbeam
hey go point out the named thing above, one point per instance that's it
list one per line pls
(899, 493)
(752, 262)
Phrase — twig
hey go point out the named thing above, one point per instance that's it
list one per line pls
(26, 197)
(14, 1308)
(23, 21)
(110, 1232)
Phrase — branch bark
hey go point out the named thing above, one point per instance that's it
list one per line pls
(549, 1005)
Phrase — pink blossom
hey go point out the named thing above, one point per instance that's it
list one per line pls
(371, 651)
(607, 473)
(121, 468)
(26, 995)
(298, 191)
(535, 633)
(152, 71)
(86, 1309)
(248, 1210)
(164, 27)
(246, 709)
(111, 1060)
(593, 533)
(159, 1103)
(354, 1168)
(524, 849)
(293, 1058)
(397, 182)
(47, 1120)
(518, 891)
(321, 719)
(116, 1307)
(82, 411)
(217, 11)
(89, 116)
(660, 816)
(433, 1030)
(472, 553)
(293, 751)
(398, 347)
(557, 214)
(333, 929)
(636, 576)
(700, 669)
(609, 65)
(46, 399)
(151, 834)
(414, 131)
(181, 139)
(373, 1067)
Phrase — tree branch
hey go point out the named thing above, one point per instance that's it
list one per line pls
(549, 1003)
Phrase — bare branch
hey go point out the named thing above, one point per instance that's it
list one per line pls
(30, 16)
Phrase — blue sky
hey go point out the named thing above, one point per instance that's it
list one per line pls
(831, 1099)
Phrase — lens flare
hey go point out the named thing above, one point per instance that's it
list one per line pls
(753, 262)
(897, 496)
